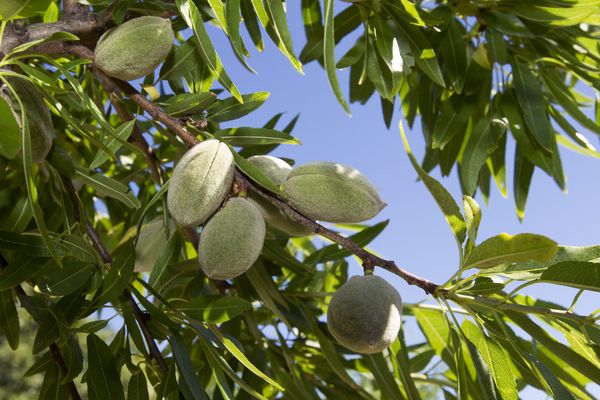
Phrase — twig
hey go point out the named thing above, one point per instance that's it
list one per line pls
(369, 260)
(106, 257)
(87, 26)
(54, 350)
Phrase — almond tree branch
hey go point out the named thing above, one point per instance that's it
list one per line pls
(106, 257)
(369, 260)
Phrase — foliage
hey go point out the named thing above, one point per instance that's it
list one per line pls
(472, 71)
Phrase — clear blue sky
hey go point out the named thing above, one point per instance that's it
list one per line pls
(417, 237)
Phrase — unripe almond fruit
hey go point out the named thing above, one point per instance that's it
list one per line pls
(277, 171)
(200, 182)
(135, 48)
(332, 192)
(364, 314)
(232, 240)
(38, 116)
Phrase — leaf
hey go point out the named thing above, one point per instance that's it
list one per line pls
(167, 255)
(472, 216)
(255, 174)
(51, 386)
(29, 244)
(186, 368)
(452, 121)
(239, 355)
(499, 366)
(474, 156)
(454, 53)
(137, 389)
(531, 100)
(522, 182)
(9, 319)
(555, 16)
(278, 23)
(19, 217)
(114, 143)
(579, 274)
(23, 268)
(505, 248)
(567, 355)
(10, 140)
(440, 194)
(245, 136)
(215, 309)
(405, 366)
(73, 358)
(329, 57)
(118, 276)
(188, 103)
(67, 279)
(103, 379)
(230, 108)
(106, 186)
(384, 378)
(233, 19)
(193, 19)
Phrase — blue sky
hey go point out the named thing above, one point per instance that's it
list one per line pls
(417, 237)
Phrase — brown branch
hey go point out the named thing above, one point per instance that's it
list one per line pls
(369, 260)
(54, 350)
(106, 257)
(87, 26)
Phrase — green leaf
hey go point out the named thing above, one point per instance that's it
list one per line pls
(189, 103)
(215, 309)
(383, 376)
(564, 353)
(239, 355)
(137, 389)
(531, 100)
(114, 143)
(10, 140)
(51, 388)
(329, 56)
(472, 216)
(405, 366)
(106, 186)
(118, 276)
(452, 121)
(186, 368)
(28, 244)
(575, 13)
(440, 194)
(67, 279)
(499, 366)
(19, 217)
(193, 19)
(255, 174)
(579, 274)
(522, 182)
(23, 268)
(230, 108)
(73, 358)
(9, 319)
(233, 19)
(278, 23)
(454, 53)
(181, 61)
(103, 380)
(245, 136)
(505, 248)
(474, 156)
(167, 255)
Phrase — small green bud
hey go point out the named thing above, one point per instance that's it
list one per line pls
(332, 192)
(232, 240)
(135, 48)
(364, 314)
